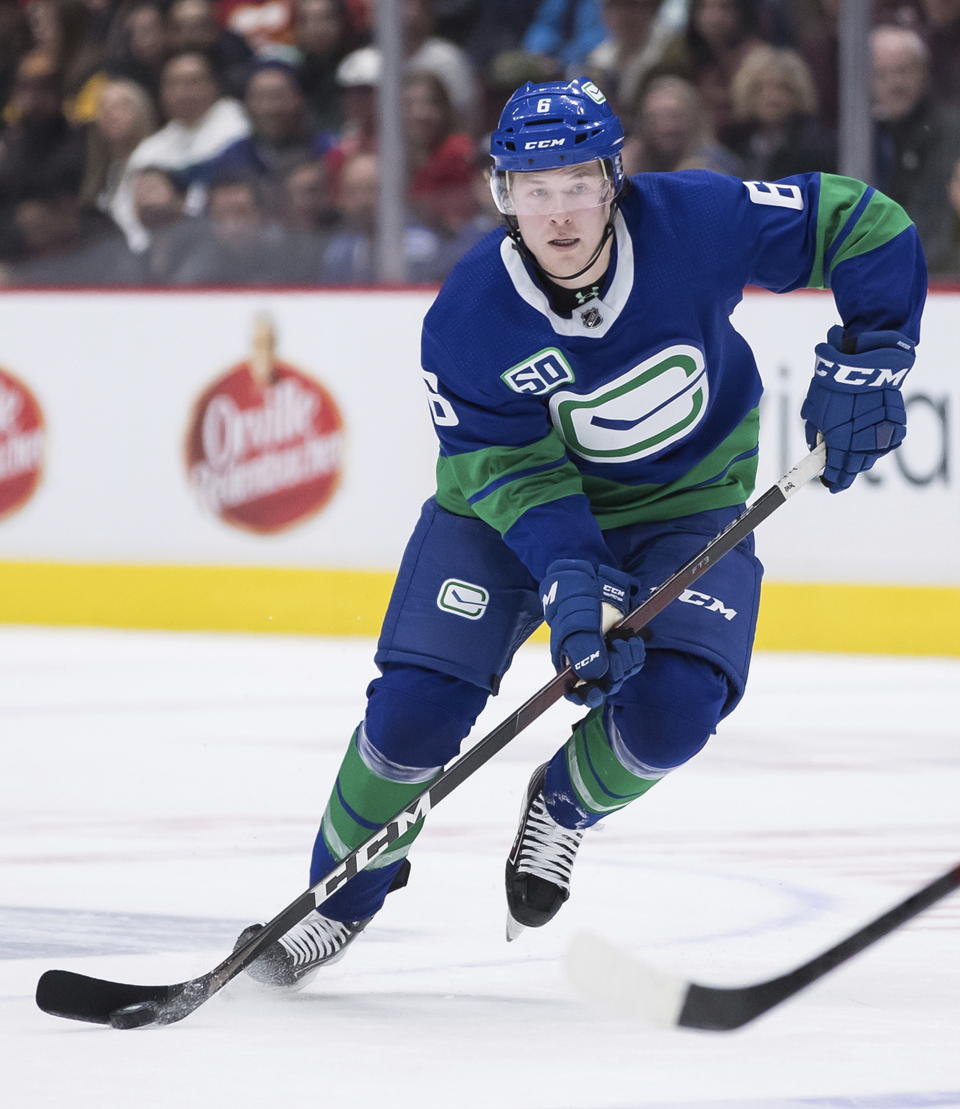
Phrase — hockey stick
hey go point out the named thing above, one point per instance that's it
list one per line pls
(612, 977)
(78, 997)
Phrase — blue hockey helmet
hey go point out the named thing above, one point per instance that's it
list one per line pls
(555, 125)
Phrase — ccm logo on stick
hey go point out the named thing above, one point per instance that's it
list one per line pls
(704, 600)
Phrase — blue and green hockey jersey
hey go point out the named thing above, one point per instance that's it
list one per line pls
(642, 404)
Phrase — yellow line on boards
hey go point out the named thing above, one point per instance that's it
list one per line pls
(861, 619)
(872, 619)
(212, 598)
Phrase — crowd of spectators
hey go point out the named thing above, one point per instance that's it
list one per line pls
(234, 142)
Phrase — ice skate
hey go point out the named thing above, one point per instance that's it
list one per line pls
(291, 962)
(540, 863)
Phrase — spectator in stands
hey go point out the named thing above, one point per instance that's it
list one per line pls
(192, 25)
(39, 145)
(309, 216)
(425, 53)
(506, 72)
(497, 27)
(917, 139)
(63, 30)
(281, 135)
(776, 131)
(564, 31)
(159, 198)
(942, 35)
(440, 157)
(943, 258)
(634, 40)
(323, 37)
(810, 27)
(454, 19)
(125, 117)
(14, 43)
(137, 45)
(65, 243)
(202, 123)
(249, 247)
(671, 130)
(180, 249)
(358, 76)
(718, 36)
(485, 217)
(262, 24)
(102, 11)
(308, 206)
(350, 257)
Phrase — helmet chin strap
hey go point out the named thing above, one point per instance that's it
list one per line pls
(515, 235)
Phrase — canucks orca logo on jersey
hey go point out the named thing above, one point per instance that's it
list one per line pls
(640, 412)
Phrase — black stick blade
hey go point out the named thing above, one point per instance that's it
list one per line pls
(77, 997)
(722, 1009)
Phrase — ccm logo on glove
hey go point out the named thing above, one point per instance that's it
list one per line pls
(586, 661)
(853, 375)
(614, 595)
(854, 401)
(575, 594)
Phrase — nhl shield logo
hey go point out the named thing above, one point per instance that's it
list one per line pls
(591, 317)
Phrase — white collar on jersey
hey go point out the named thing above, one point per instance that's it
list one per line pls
(597, 316)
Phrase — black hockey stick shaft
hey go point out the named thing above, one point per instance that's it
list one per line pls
(721, 1009)
(78, 997)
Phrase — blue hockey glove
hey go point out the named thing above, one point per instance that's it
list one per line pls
(854, 401)
(574, 596)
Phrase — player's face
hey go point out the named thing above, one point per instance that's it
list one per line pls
(561, 214)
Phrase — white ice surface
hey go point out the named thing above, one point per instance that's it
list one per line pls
(160, 791)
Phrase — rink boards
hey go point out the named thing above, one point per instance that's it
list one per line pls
(160, 467)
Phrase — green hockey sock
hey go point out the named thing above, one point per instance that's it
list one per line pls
(369, 791)
(599, 769)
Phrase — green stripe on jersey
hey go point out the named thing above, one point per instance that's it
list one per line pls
(500, 482)
(725, 477)
(882, 220)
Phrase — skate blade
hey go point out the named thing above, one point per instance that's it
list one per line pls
(514, 928)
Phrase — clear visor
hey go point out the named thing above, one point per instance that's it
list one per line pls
(547, 192)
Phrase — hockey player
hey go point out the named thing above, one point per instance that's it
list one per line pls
(598, 423)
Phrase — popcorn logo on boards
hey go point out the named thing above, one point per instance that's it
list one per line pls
(265, 442)
(22, 443)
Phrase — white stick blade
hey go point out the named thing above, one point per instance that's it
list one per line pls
(614, 980)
